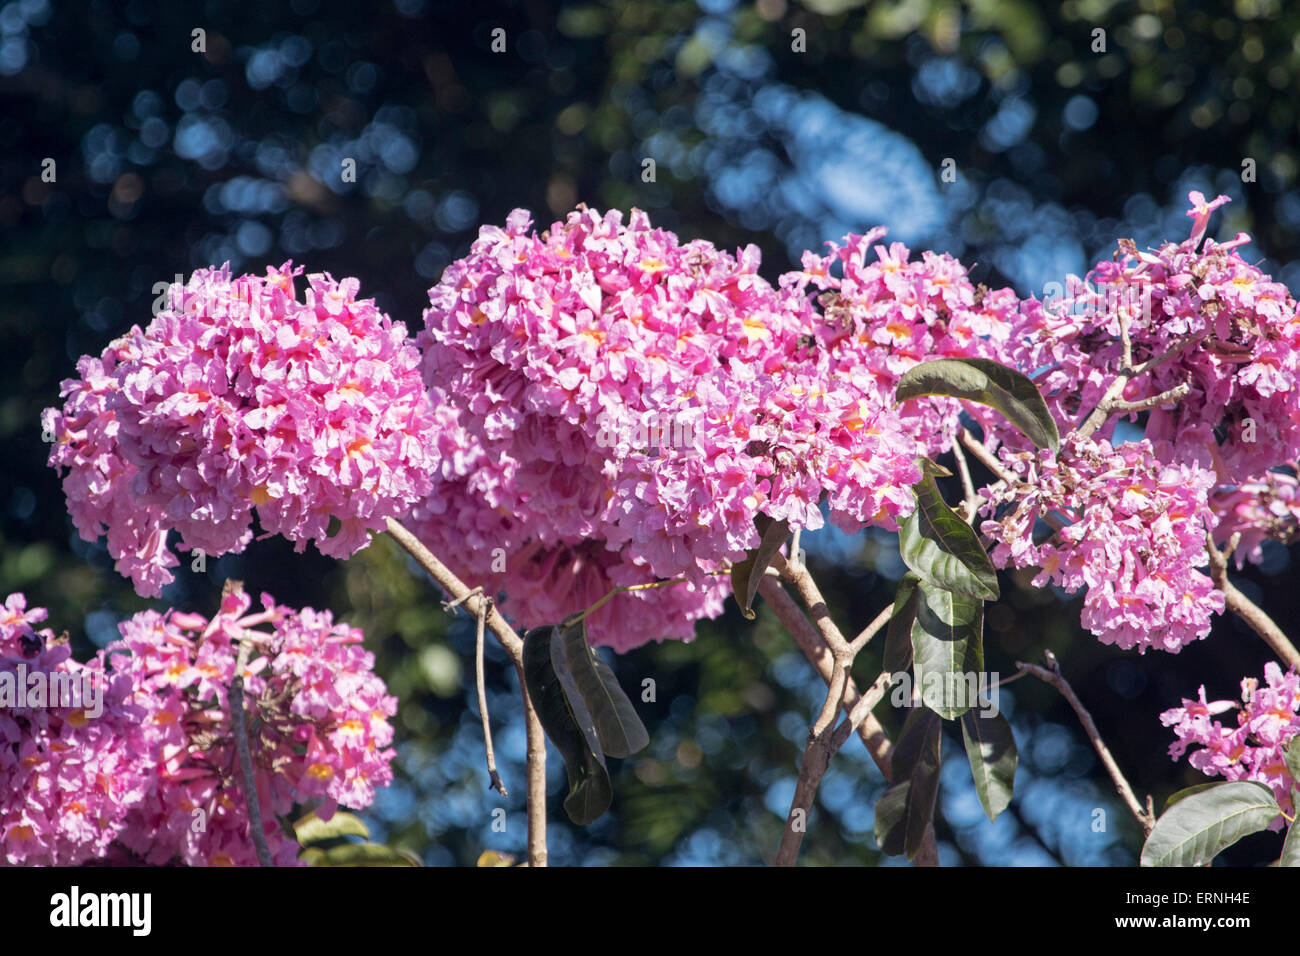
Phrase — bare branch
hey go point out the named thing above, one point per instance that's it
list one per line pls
(1167, 397)
(494, 778)
(239, 724)
(987, 459)
(1245, 608)
(871, 630)
(477, 604)
(872, 734)
(1051, 674)
(806, 588)
(1111, 397)
(823, 744)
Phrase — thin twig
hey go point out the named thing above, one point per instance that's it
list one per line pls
(239, 725)
(871, 630)
(494, 778)
(1167, 397)
(476, 604)
(1126, 341)
(987, 459)
(819, 655)
(1109, 399)
(968, 486)
(457, 589)
(1246, 609)
(1051, 674)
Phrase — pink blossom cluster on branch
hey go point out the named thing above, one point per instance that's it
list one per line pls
(1134, 536)
(548, 354)
(603, 405)
(1267, 508)
(154, 777)
(1237, 346)
(240, 397)
(1268, 719)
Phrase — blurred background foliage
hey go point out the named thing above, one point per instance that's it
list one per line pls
(779, 123)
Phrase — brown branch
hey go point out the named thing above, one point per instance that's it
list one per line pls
(1246, 609)
(1167, 397)
(871, 630)
(477, 604)
(238, 721)
(968, 486)
(814, 648)
(457, 589)
(819, 655)
(536, 778)
(1051, 674)
(987, 459)
(823, 744)
(804, 585)
(1110, 399)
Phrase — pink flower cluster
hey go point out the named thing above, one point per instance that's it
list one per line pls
(1264, 509)
(240, 397)
(1231, 331)
(156, 777)
(1268, 719)
(617, 407)
(70, 774)
(887, 314)
(1132, 531)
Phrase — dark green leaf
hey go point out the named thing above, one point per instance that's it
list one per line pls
(748, 574)
(1291, 847)
(947, 650)
(905, 809)
(942, 549)
(991, 749)
(312, 829)
(582, 673)
(1292, 757)
(898, 635)
(1202, 825)
(590, 791)
(988, 383)
(1188, 791)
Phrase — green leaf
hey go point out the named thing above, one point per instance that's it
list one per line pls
(312, 829)
(1202, 825)
(1291, 847)
(1292, 757)
(366, 854)
(947, 650)
(748, 574)
(583, 674)
(988, 383)
(1188, 791)
(943, 550)
(991, 749)
(898, 634)
(905, 809)
(574, 736)
(490, 858)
